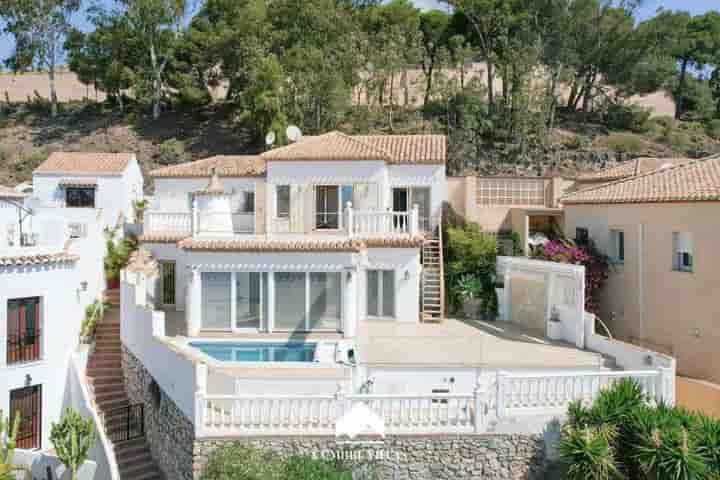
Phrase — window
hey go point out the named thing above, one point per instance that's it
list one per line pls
(381, 293)
(248, 205)
(582, 236)
(23, 330)
(27, 402)
(510, 191)
(250, 288)
(290, 301)
(80, 197)
(283, 201)
(216, 301)
(325, 300)
(683, 260)
(167, 279)
(327, 207)
(617, 246)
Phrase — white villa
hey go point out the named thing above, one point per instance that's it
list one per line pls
(273, 292)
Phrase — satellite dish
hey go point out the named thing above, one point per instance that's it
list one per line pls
(293, 133)
(270, 138)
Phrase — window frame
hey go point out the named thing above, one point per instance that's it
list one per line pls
(617, 245)
(679, 256)
(381, 276)
(248, 205)
(69, 190)
(583, 239)
(278, 213)
(36, 347)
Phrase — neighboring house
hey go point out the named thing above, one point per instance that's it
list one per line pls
(661, 231)
(272, 293)
(109, 182)
(501, 205)
(624, 170)
(45, 287)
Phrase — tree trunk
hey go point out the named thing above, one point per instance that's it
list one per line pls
(53, 93)
(428, 81)
(157, 82)
(587, 90)
(681, 90)
(406, 88)
(490, 87)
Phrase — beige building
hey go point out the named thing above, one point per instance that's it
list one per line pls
(661, 230)
(500, 205)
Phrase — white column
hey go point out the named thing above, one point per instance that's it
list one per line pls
(350, 302)
(269, 208)
(194, 310)
(414, 220)
(480, 393)
(195, 221)
(271, 302)
(233, 301)
(201, 377)
(349, 222)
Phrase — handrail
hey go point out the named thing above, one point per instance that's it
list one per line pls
(599, 373)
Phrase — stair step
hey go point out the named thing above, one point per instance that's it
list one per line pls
(140, 457)
(130, 448)
(139, 471)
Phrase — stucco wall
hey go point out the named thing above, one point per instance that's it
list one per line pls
(645, 300)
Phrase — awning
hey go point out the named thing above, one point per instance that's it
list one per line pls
(79, 182)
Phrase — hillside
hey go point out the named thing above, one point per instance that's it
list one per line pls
(28, 135)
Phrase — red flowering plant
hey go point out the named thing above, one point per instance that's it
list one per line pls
(596, 265)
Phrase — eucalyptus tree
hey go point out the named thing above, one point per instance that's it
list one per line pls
(39, 28)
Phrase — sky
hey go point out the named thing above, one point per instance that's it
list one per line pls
(648, 10)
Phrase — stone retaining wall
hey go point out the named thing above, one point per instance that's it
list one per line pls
(428, 457)
(169, 433)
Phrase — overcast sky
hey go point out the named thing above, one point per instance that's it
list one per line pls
(648, 10)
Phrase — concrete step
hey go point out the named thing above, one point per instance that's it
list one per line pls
(111, 404)
(110, 396)
(141, 457)
(96, 381)
(107, 387)
(130, 448)
(140, 471)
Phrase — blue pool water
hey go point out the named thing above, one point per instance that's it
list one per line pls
(257, 351)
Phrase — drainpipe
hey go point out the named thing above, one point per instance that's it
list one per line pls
(641, 280)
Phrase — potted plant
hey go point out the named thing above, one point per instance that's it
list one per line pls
(468, 291)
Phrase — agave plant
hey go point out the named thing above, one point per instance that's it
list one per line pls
(707, 438)
(588, 453)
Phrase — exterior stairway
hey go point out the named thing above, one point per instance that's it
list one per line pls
(123, 421)
(432, 302)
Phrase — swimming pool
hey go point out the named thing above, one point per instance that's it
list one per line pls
(257, 351)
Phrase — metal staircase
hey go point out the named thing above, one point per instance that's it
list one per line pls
(432, 302)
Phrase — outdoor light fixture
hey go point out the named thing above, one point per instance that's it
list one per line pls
(407, 274)
(83, 286)
(28, 380)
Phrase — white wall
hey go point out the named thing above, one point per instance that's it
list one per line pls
(407, 290)
(62, 310)
(432, 176)
(172, 371)
(173, 194)
(114, 194)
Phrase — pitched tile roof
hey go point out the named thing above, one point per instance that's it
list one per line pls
(631, 168)
(394, 149)
(226, 165)
(693, 181)
(304, 245)
(161, 238)
(39, 259)
(7, 192)
(87, 163)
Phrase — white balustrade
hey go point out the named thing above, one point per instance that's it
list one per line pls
(552, 392)
(178, 223)
(369, 223)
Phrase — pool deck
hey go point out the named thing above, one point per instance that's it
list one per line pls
(465, 343)
(452, 343)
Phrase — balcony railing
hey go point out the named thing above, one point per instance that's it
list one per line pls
(369, 223)
(177, 223)
(23, 348)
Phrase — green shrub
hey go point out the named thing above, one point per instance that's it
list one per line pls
(94, 313)
(627, 117)
(470, 251)
(623, 142)
(73, 437)
(712, 128)
(171, 152)
(238, 462)
(643, 440)
(575, 142)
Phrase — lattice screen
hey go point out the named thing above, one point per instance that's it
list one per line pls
(510, 191)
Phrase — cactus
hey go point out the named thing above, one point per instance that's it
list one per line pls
(8, 434)
(73, 437)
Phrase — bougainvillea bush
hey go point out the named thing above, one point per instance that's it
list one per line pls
(596, 266)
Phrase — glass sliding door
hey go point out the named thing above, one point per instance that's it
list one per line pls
(290, 301)
(216, 301)
(249, 298)
(420, 196)
(325, 301)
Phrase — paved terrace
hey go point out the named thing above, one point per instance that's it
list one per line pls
(472, 343)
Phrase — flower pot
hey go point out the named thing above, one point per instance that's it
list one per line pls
(471, 308)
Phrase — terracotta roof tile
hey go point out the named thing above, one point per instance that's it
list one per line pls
(142, 261)
(40, 259)
(693, 181)
(305, 245)
(89, 163)
(161, 238)
(7, 192)
(393, 149)
(78, 182)
(226, 165)
(631, 168)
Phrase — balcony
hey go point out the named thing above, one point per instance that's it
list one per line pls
(351, 223)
